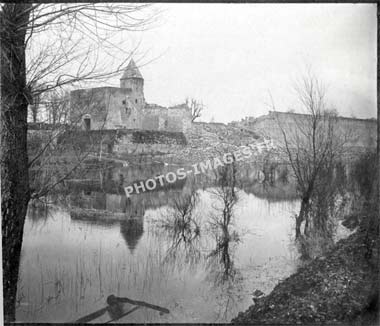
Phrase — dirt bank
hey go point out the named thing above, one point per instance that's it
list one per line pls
(341, 288)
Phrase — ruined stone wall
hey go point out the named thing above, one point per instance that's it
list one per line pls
(125, 143)
(89, 103)
(148, 142)
(359, 132)
(150, 122)
(123, 112)
(174, 119)
(120, 108)
(114, 100)
(106, 107)
(179, 118)
(153, 118)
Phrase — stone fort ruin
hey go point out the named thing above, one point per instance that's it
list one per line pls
(125, 107)
(359, 133)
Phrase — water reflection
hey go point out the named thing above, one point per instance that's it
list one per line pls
(222, 219)
(225, 277)
(38, 212)
(132, 231)
(181, 247)
(221, 261)
(182, 227)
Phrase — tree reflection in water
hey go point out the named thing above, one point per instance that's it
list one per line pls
(183, 229)
(39, 212)
(226, 280)
(190, 239)
(225, 277)
(221, 219)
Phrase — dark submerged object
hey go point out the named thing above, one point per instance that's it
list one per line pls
(116, 311)
(111, 299)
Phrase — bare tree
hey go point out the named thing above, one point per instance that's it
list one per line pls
(377, 190)
(35, 108)
(52, 46)
(57, 105)
(312, 143)
(196, 108)
(57, 151)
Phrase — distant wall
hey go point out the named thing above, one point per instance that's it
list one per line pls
(153, 118)
(179, 118)
(360, 132)
(175, 119)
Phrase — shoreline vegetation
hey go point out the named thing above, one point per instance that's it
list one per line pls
(339, 288)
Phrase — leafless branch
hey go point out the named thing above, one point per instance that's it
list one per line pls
(196, 108)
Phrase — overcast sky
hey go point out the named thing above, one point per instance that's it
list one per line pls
(231, 56)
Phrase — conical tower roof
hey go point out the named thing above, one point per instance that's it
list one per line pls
(132, 71)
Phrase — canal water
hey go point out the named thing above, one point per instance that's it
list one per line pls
(96, 242)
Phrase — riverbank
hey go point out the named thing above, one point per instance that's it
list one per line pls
(339, 288)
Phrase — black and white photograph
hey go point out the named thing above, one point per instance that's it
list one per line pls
(201, 163)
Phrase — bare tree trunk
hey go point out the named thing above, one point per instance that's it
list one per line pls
(14, 159)
(34, 110)
(307, 226)
(302, 216)
(378, 129)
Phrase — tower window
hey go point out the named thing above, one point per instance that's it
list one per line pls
(124, 102)
(136, 101)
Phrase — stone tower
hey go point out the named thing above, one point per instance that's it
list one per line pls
(133, 80)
